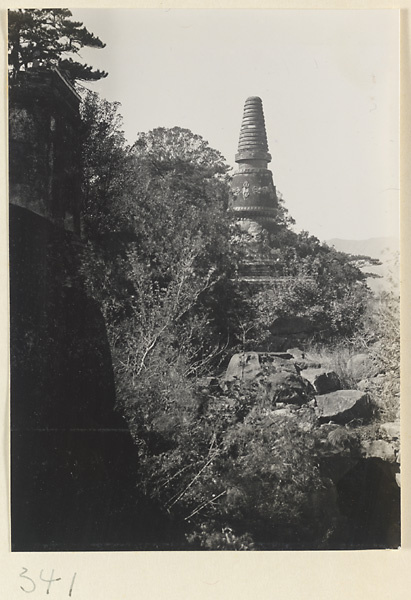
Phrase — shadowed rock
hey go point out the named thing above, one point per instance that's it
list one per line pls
(322, 380)
(288, 388)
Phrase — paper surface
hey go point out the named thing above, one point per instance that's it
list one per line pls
(214, 575)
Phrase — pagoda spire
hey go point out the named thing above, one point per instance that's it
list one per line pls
(253, 144)
(253, 194)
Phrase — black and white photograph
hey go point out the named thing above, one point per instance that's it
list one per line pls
(204, 280)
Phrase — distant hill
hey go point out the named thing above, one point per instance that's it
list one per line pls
(386, 249)
(374, 247)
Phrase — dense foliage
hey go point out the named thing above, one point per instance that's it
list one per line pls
(161, 259)
(156, 221)
(319, 283)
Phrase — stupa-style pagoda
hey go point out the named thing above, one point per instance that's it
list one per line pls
(254, 199)
(253, 194)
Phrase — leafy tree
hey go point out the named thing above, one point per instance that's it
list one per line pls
(181, 192)
(107, 168)
(168, 147)
(47, 38)
(177, 209)
(318, 282)
(159, 255)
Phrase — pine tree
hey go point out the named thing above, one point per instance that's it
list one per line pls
(47, 38)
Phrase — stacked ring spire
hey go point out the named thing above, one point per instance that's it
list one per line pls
(253, 134)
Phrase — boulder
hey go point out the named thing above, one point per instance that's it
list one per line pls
(288, 388)
(244, 366)
(361, 366)
(302, 364)
(296, 353)
(391, 430)
(379, 449)
(343, 406)
(322, 380)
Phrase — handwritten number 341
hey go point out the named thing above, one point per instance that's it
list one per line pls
(30, 585)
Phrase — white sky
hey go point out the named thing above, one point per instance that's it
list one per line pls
(329, 81)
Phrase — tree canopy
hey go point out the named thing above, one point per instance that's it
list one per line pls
(155, 215)
(50, 38)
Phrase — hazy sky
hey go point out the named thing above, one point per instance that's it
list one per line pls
(329, 81)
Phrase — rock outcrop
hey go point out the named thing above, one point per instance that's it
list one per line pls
(360, 457)
(344, 406)
(243, 367)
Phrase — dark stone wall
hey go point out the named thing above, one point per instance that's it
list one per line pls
(74, 466)
(59, 346)
(73, 462)
(44, 163)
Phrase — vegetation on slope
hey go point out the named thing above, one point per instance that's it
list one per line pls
(161, 260)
